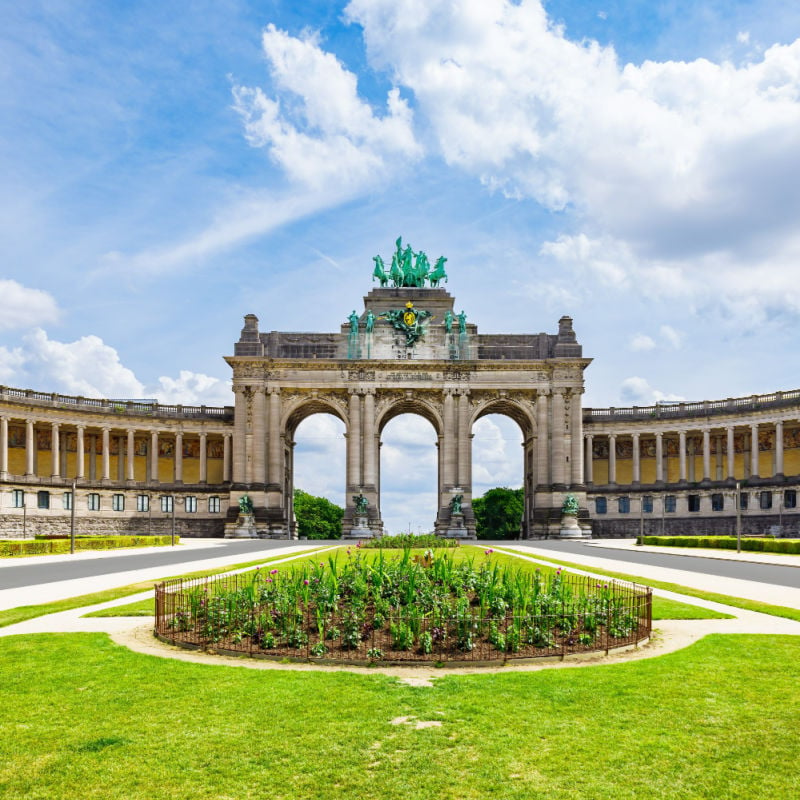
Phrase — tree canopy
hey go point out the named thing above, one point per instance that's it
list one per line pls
(317, 517)
(498, 513)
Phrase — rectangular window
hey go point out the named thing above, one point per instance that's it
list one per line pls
(624, 505)
(66, 501)
(191, 504)
(600, 505)
(213, 505)
(790, 498)
(717, 502)
(17, 498)
(647, 504)
(43, 499)
(166, 503)
(694, 502)
(117, 502)
(765, 500)
(670, 504)
(142, 502)
(743, 501)
(93, 501)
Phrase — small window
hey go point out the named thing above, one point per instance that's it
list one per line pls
(790, 498)
(17, 498)
(647, 504)
(43, 499)
(670, 504)
(142, 502)
(600, 505)
(117, 502)
(191, 504)
(624, 505)
(694, 502)
(166, 503)
(765, 500)
(743, 501)
(66, 501)
(717, 502)
(213, 505)
(93, 501)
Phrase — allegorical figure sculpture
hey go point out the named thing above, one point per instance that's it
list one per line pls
(570, 507)
(448, 321)
(361, 503)
(455, 503)
(409, 269)
(462, 322)
(370, 321)
(245, 505)
(353, 322)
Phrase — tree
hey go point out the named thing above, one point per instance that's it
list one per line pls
(498, 513)
(317, 517)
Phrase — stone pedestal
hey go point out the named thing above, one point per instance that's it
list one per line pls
(457, 529)
(360, 529)
(570, 528)
(245, 528)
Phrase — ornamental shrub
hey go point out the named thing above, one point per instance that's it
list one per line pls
(726, 543)
(33, 547)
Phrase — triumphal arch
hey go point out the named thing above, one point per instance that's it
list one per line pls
(409, 350)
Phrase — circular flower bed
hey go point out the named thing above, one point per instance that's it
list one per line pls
(428, 608)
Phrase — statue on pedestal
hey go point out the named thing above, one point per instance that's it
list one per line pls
(361, 503)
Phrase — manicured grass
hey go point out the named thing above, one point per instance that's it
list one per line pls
(715, 720)
(736, 602)
(661, 609)
(13, 615)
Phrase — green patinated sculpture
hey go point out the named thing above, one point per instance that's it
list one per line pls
(380, 271)
(370, 321)
(455, 503)
(462, 322)
(438, 273)
(570, 507)
(448, 321)
(409, 321)
(409, 269)
(361, 503)
(245, 505)
(353, 323)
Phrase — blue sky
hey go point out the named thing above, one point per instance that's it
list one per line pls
(169, 167)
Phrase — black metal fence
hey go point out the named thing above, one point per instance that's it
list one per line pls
(218, 613)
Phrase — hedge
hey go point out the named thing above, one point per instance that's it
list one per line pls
(726, 543)
(28, 547)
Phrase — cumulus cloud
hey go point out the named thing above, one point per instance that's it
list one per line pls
(641, 342)
(21, 307)
(496, 454)
(638, 391)
(318, 129)
(673, 338)
(192, 388)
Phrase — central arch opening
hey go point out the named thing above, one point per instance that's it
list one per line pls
(409, 480)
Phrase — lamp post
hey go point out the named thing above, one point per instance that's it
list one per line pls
(24, 517)
(172, 537)
(641, 519)
(72, 518)
(738, 518)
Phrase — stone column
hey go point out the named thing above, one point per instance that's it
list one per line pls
(178, 457)
(557, 440)
(154, 456)
(576, 437)
(3, 448)
(106, 455)
(682, 456)
(260, 447)
(130, 452)
(370, 478)
(464, 442)
(588, 465)
(612, 458)
(226, 458)
(80, 453)
(449, 441)
(260, 438)
(239, 431)
(542, 443)
(659, 457)
(706, 455)
(730, 454)
(30, 447)
(354, 442)
(754, 450)
(779, 449)
(637, 468)
(275, 473)
(55, 450)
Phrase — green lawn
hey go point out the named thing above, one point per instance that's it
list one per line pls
(662, 608)
(82, 718)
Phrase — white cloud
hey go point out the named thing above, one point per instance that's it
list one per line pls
(21, 307)
(192, 389)
(674, 338)
(323, 134)
(743, 37)
(496, 454)
(11, 363)
(638, 391)
(640, 342)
